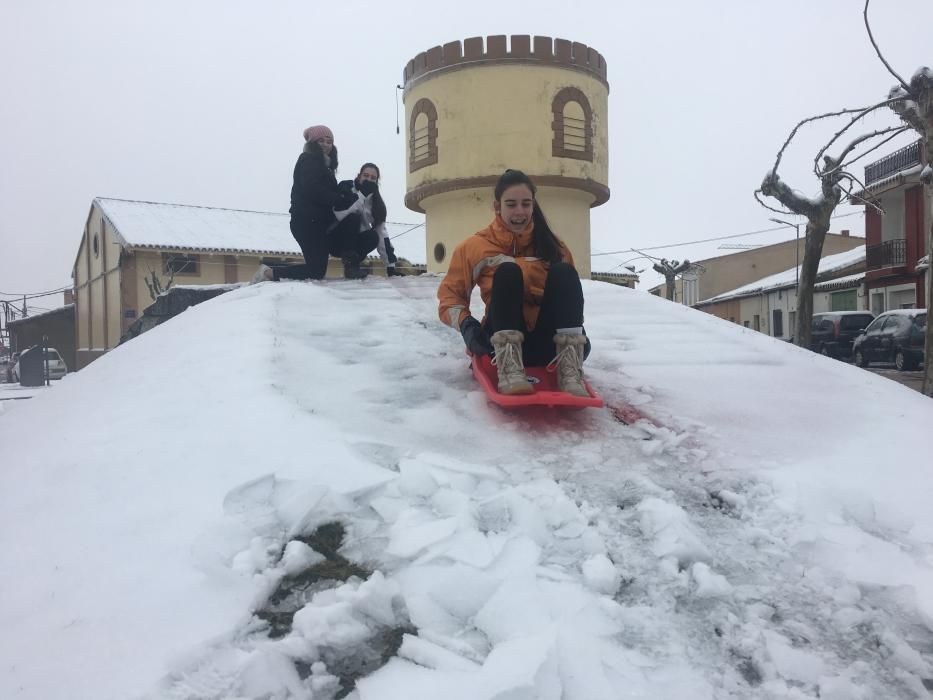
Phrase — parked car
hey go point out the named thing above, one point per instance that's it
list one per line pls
(57, 367)
(833, 332)
(895, 336)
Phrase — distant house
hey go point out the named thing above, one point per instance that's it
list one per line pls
(714, 276)
(623, 279)
(897, 261)
(130, 247)
(769, 305)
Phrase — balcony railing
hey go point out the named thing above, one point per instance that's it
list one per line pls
(888, 254)
(893, 163)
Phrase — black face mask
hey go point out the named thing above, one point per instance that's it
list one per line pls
(367, 187)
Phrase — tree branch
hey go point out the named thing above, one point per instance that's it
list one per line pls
(878, 51)
(859, 140)
(770, 208)
(774, 186)
(852, 195)
(794, 131)
(878, 145)
(816, 160)
(906, 107)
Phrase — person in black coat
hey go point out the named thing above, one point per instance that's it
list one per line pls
(314, 198)
(372, 211)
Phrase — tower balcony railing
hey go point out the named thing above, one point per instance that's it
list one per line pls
(893, 163)
(888, 254)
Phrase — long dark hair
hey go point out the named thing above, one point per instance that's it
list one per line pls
(545, 242)
(313, 149)
(379, 206)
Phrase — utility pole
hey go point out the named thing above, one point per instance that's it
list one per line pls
(796, 227)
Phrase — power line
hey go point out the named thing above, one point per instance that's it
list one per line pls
(710, 240)
(413, 227)
(34, 295)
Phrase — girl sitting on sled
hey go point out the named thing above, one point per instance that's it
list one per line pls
(532, 293)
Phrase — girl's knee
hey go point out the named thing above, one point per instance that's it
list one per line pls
(563, 269)
(507, 270)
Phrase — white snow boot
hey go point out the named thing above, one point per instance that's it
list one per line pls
(569, 363)
(508, 362)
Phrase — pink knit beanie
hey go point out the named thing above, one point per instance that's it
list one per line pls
(313, 133)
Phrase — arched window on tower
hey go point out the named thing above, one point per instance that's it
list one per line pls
(422, 135)
(572, 124)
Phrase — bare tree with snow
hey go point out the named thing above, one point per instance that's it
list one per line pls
(835, 182)
(670, 269)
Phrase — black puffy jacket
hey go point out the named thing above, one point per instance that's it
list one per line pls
(314, 190)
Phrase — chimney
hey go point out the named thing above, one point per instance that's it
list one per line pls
(845, 232)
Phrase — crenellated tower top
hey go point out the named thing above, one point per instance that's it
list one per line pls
(498, 49)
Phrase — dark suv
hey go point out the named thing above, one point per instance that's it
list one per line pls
(895, 336)
(832, 332)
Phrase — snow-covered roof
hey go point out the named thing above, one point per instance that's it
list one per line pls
(841, 282)
(161, 226)
(788, 278)
(33, 317)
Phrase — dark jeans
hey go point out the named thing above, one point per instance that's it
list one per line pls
(344, 239)
(561, 307)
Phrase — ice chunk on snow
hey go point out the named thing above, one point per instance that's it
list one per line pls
(468, 547)
(524, 669)
(298, 557)
(259, 556)
(601, 575)
(346, 616)
(793, 664)
(414, 530)
(670, 528)
(416, 479)
(839, 688)
(331, 625)
(429, 655)
(269, 674)
(709, 584)
(516, 609)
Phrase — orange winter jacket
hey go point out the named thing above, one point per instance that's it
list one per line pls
(474, 262)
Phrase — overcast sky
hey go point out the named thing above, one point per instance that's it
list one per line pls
(204, 103)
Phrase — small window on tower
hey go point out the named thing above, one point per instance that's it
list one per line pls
(422, 135)
(572, 124)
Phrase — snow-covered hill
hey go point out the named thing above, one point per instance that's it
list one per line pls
(767, 534)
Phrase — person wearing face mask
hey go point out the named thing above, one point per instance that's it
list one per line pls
(532, 293)
(372, 212)
(314, 199)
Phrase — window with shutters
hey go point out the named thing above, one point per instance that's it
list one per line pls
(572, 124)
(422, 135)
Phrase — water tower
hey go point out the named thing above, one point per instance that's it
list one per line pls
(475, 108)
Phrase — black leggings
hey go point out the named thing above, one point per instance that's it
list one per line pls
(343, 240)
(561, 307)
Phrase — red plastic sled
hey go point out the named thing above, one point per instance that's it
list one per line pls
(544, 383)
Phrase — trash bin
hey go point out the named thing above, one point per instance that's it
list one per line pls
(32, 367)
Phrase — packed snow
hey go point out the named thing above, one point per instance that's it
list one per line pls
(764, 532)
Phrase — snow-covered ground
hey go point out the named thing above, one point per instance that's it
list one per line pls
(767, 534)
